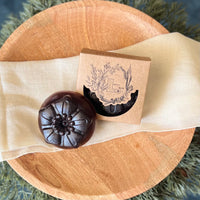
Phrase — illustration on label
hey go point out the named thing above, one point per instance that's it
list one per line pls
(110, 89)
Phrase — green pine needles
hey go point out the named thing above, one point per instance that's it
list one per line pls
(170, 15)
(185, 178)
(13, 187)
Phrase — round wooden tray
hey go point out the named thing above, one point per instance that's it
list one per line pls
(117, 169)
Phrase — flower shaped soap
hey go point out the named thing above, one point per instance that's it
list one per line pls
(67, 119)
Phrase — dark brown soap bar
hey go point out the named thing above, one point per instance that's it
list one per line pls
(110, 110)
(67, 119)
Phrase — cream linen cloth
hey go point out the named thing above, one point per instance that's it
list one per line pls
(172, 100)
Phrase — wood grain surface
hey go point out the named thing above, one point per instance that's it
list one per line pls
(117, 169)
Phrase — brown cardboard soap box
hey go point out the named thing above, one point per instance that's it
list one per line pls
(114, 83)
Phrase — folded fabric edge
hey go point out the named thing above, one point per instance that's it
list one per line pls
(13, 154)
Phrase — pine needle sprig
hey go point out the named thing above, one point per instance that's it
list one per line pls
(172, 16)
(12, 186)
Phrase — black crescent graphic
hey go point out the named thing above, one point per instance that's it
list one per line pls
(110, 110)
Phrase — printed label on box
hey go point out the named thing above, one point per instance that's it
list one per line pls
(114, 83)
